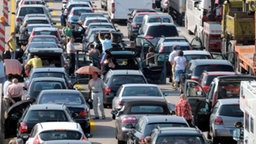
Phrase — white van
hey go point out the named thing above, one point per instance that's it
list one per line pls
(119, 9)
(155, 18)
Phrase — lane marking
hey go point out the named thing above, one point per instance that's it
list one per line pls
(13, 9)
(53, 13)
(92, 123)
(50, 3)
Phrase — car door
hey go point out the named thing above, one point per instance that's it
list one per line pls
(196, 96)
(15, 112)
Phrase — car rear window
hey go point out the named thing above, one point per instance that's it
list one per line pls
(96, 21)
(54, 33)
(212, 67)
(77, 5)
(162, 30)
(231, 110)
(192, 57)
(146, 109)
(138, 19)
(80, 11)
(168, 49)
(62, 98)
(152, 126)
(118, 80)
(36, 116)
(38, 21)
(158, 19)
(60, 135)
(48, 74)
(179, 139)
(141, 91)
(31, 10)
(44, 39)
(42, 45)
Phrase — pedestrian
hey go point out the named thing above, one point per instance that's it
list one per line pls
(179, 67)
(63, 19)
(71, 52)
(2, 72)
(11, 43)
(23, 37)
(6, 99)
(95, 55)
(35, 62)
(106, 42)
(14, 91)
(97, 86)
(183, 109)
(107, 65)
(149, 56)
(172, 55)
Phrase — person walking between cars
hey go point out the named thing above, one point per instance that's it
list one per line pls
(183, 109)
(179, 67)
(95, 55)
(14, 91)
(35, 62)
(172, 55)
(71, 51)
(97, 86)
(11, 43)
(106, 42)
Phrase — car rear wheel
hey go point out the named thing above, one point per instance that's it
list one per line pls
(120, 142)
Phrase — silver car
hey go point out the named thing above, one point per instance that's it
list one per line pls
(224, 115)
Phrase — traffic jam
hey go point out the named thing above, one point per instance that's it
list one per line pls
(129, 72)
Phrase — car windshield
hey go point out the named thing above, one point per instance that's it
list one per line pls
(179, 139)
(44, 39)
(162, 30)
(231, 110)
(212, 67)
(141, 91)
(118, 80)
(149, 127)
(147, 109)
(60, 135)
(42, 45)
(194, 56)
(31, 10)
(36, 116)
(37, 87)
(62, 98)
(37, 21)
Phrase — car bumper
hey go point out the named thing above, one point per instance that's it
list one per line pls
(84, 123)
(24, 136)
(223, 132)
(123, 135)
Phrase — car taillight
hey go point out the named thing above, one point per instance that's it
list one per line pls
(218, 121)
(149, 37)
(84, 138)
(205, 88)
(194, 78)
(120, 104)
(166, 2)
(129, 119)
(134, 26)
(36, 140)
(83, 114)
(107, 90)
(23, 127)
(161, 49)
(113, 8)
(18, 20)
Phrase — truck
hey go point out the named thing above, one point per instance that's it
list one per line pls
(238, 35)
(119, 9)
(177, 9)
(246, 133)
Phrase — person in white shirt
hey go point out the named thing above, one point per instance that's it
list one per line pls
(71, 51)
(172, 55)
(179, 66)
(106, 42)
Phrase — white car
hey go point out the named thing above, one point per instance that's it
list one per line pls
(49, 131)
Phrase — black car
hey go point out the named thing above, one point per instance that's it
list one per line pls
(128, 115)
(115, 78)
(75, 102)
(22, 117)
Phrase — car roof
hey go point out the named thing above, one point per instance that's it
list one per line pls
(92, 18)
(229, 101)
(36, 18)
(46, 50)
(60, 125)
(195, 52)
(78, 2)
(61, 91)
(35, 15)
(146, 85)
(179, 131)
(210, 61)
(164, 118)
(49, 69)
(39, 25)
(176, 37)
(145, 99)
(78, 8)
(48, 78)
(45, 29)
(100, 24)
(159, 24)
(35, 5)
(53, 36)
(125, 72)
(158, 15)
(219, 73)
(178, 43)
(47, 107)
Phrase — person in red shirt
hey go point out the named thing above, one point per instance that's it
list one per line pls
(183, 109)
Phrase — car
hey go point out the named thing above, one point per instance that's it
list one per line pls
(51, 57)
(43, 83)
(206, 78)
(115, 78)
(135, 11)
(70, 5)
(40, 45)
(134, 24)
(179, 135)
(45, 38)
(128, 116)
(30, 27)
(224, 115)
(49, 131)
(99, 25)
(90, 20)
(36, 20)
(135, 90)
(46, 31)
(30, 2)
(196, 54)
(148, 123)
(24, 116)
(154, 31)
(48, 72)
(83, 16)
(29, 9)
(76, 12)
(74, 100)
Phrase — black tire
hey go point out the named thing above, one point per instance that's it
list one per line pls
(113, 117)
(120, 142)
(87, 130)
